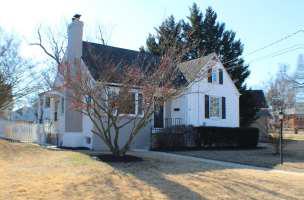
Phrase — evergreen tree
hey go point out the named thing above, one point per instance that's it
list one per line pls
(200, 36)
(168, 35)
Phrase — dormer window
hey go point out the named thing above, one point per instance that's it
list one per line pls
(214, 76)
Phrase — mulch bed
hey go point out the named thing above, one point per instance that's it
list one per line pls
(126, 159)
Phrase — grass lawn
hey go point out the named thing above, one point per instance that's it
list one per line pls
(31, 172)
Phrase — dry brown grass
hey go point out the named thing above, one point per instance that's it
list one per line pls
(30, 172)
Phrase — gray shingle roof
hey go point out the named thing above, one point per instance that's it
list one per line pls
(191, 69)
(97, 57)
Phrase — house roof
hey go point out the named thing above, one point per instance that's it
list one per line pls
(97, 57)
(192, 68)
(259, 98)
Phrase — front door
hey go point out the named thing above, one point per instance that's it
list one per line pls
(159, 113)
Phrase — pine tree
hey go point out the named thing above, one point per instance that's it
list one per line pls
(200, 36)
(168, 35)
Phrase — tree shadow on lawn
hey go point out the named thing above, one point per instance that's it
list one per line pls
(160, 174)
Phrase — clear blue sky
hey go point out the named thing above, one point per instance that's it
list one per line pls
(128, 22)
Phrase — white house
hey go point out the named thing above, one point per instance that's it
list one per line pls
(211, 100)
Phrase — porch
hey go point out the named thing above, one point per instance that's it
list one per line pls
(51, 108)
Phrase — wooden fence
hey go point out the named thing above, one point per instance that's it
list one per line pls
(20, 131)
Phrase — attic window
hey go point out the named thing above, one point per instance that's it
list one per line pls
(214, 76)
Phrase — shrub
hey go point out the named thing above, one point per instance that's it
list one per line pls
(181, 137)
(173, 138)
(228, 137)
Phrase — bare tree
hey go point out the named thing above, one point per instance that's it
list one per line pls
(15, 79)
(280, 92)
(280, 96)
(52, 41)
(120, 97)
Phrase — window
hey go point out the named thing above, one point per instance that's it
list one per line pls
(47, 102)
(112, 99)
(140, 104)
(125, 105)
(56, 111)
(62, 105)
(214, 76)
(214, 106)
(129, 106)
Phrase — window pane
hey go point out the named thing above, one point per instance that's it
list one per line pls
(214, 76)
(132, 104)
(140, 104)
(127, 105)
(62, 105)
(47, 102)
(214, 107)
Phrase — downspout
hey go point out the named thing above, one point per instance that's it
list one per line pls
(198, 107)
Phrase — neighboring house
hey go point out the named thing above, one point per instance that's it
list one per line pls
(26, 114)
(263, 115)
(206, 101)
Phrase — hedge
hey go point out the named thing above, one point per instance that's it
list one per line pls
(183, 137)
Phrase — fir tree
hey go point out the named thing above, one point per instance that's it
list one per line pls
(168, 35)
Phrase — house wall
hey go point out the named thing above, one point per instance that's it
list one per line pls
(192, 103)
(141, 140)
(73, 119)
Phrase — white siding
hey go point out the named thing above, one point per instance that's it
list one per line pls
(192, 103)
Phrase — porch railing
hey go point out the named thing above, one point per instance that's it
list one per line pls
(169, 122)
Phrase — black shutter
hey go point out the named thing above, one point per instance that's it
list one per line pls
(209, 75)
(206, 106)
(220, 76)
(223, 108)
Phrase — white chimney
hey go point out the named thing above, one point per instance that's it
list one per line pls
(75, 31)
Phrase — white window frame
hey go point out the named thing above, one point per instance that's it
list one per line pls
(136, 92)
(210, 107)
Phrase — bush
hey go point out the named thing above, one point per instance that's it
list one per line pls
(181, 137)
(228, 137)
(173, 138)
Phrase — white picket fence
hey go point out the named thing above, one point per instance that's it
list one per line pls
(21, 131)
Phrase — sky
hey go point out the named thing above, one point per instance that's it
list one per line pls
(127, 24)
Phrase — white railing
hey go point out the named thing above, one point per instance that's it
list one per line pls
(21, 131)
